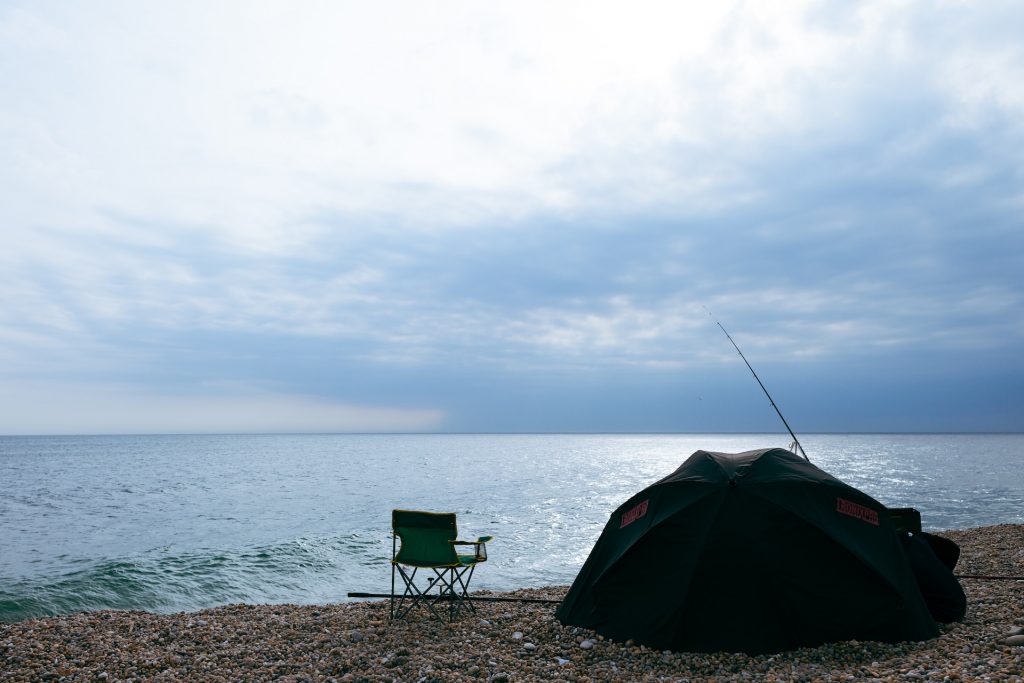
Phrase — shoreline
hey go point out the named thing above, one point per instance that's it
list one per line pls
(354, 641)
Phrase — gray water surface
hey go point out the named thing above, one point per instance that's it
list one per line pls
(168, 523)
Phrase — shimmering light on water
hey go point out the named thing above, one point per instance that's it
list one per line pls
(169, 523)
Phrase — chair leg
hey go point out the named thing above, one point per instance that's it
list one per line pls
(444, 582)
(462, 592)
(451, 584)
(394, 554)
(416, 597)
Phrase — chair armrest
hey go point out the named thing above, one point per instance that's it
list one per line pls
(479, 541)
(479, 547)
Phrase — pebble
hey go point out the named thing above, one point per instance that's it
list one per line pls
(356, 642)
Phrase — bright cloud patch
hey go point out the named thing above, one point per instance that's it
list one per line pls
(107, 409)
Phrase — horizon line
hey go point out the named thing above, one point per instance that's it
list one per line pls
(519, 433)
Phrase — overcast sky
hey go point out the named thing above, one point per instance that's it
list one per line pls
(510, 216)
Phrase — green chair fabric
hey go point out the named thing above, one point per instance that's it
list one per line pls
(429, 540)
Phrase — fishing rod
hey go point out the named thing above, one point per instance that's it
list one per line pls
(471, 598)
(796, 442)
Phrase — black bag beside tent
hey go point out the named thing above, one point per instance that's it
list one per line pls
(932, 559)
(753, 552)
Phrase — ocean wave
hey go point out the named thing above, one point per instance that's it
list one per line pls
(302, 570)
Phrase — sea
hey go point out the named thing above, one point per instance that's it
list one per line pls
(181, 523)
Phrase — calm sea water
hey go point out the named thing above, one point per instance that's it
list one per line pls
(170, 523)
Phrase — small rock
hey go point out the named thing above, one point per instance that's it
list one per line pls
(499, 677)
(562, 662)
(356, 636)
(518, 635)
(1014, 640)
(529, 647)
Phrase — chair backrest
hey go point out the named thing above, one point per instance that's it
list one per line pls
(425, 538)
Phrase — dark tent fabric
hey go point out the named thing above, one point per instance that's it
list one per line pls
(947, 551)
(942, 593)
(753, 552)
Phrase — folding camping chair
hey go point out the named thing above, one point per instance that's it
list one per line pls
(428, 541)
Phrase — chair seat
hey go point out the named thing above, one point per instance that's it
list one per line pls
(463, 561)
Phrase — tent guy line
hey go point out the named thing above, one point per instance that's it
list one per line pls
(987, 577)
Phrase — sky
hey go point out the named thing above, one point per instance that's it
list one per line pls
(510, 216)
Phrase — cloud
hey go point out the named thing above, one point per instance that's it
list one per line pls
(250, 120)
(81, 408)
(362, 204)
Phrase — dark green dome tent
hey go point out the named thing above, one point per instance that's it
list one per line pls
(753, 552)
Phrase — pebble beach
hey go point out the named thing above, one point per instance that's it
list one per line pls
(501, 642)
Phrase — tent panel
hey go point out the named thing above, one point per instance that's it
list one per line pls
(638, 595)
(661, 503)
(767, 582)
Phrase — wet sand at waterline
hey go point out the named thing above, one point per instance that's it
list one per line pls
(501, 642)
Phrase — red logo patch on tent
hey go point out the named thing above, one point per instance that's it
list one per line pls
(634, 513)
(857, 511)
